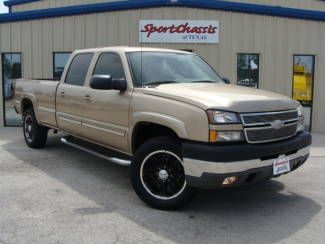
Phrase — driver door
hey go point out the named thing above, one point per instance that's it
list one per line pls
(107, 115)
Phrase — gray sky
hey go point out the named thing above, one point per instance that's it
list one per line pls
(3, 9)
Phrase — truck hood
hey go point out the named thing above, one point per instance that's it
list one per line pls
(224, 97)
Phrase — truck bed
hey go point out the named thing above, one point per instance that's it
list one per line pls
(43, 95)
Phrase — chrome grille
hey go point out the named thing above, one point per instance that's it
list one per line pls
(266, 134)
(267, 118)
(272, 126)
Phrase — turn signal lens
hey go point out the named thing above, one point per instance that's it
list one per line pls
(226, 136)
(213, 135)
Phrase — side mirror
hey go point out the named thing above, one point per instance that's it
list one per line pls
(105, 82)
(226, 80)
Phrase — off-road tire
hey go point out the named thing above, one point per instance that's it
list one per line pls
(35, 134)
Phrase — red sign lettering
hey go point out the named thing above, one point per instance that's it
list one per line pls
(181, 29)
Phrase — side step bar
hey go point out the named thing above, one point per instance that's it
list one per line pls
(100, 155)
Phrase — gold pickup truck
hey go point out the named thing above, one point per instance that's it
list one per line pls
(170, 117)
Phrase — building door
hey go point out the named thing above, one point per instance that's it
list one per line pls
(11, 69)
(303, 84)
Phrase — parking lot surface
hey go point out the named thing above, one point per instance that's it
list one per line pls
(62, 195)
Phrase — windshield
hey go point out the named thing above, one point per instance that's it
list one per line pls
(155, 68)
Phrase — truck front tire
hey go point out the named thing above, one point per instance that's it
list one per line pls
(35, 134)
(157, 174)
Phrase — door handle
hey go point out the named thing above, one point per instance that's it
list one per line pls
(87, 97)
(62, 94)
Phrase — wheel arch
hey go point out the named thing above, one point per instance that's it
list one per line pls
(26, 103)
(150, 125)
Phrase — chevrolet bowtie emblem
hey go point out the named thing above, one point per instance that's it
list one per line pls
(277, 124)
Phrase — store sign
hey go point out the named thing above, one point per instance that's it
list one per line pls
(179, 31)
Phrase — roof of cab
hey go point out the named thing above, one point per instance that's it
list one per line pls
(128, 49)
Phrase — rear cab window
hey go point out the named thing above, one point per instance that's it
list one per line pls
(78, 69)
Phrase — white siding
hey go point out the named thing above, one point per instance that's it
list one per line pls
(275, 39)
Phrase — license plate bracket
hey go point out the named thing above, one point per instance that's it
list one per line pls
(281, 165)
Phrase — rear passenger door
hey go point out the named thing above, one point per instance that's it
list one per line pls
(71, 95)
(106, 118)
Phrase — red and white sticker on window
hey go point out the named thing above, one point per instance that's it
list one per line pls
(179, 31)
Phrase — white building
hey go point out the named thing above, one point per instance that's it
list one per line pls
(277, 45)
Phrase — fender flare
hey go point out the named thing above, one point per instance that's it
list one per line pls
(31, 98)
(171, 122)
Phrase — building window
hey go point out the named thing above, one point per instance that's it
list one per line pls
(303, 82)
(11, 70)
(59, 62)
(78, 69)
(248, 70)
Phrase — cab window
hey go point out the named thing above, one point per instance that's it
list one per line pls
(78, 69)
(110, 64)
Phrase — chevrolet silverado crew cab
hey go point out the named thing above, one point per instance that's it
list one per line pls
(168, 115)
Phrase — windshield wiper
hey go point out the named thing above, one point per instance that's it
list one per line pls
(157, 83)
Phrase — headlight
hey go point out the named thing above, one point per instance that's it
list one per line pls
(221, 117)
(301, 119)
(300, 111)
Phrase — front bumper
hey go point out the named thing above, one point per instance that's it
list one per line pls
(207, 165)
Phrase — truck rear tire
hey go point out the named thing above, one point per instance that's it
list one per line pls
(158, 176)
(35, 134)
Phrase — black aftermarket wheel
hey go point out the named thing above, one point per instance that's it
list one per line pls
(158, 176)
(35, 135)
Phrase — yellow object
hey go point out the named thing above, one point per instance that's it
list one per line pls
(213, 135)
(302, 87)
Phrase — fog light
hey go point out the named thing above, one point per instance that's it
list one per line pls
(229, 180)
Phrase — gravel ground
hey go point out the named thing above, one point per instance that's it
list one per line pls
(61, 195)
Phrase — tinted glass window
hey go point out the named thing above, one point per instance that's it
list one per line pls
(110, 64)
(150, 68)
(60, 60)
(78, 69)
